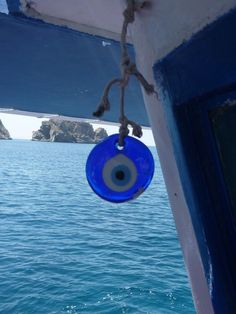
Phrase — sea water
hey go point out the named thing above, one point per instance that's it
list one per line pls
(65, 250)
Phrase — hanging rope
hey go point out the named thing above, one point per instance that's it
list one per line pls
(128, 68)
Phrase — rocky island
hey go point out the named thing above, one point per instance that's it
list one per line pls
(4, 134)
(56, 130)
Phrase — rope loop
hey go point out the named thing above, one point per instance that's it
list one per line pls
(128, 68)
(123, 130)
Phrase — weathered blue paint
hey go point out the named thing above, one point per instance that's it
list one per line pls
(196, 77)
(13, 6)
(55, 70)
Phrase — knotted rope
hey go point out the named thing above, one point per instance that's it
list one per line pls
(128, 68)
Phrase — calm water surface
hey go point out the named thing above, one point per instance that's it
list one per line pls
(64, 250)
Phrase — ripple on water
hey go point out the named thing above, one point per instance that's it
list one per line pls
(64, 250)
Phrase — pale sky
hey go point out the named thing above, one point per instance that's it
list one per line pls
(21, 127)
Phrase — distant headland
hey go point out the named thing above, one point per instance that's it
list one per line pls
(4, 134)
(56, 130)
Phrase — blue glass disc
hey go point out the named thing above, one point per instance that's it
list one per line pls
(119, 175)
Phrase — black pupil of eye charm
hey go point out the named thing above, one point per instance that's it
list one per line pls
(119, 175)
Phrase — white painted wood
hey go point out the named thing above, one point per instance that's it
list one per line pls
(170, 21)
(99, 17)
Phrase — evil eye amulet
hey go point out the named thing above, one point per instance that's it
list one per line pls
(119, 174)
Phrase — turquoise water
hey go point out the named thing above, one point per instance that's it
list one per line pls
(64, 250)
